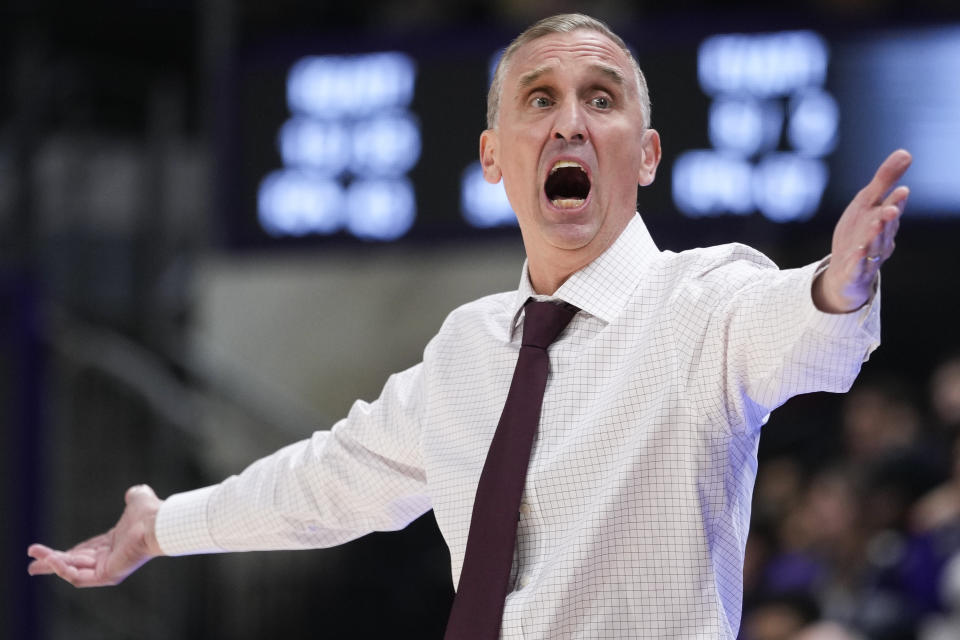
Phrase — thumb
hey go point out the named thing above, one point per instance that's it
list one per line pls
(137, 493)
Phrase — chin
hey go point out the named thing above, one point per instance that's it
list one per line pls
(569, 235)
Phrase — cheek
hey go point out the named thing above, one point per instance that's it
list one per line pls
(628, 169)
(520, 153)
(520, 164)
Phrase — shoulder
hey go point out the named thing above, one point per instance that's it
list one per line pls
(715, 273)
(703, 261)
(725, 262)
(495, 304)
(477, 319)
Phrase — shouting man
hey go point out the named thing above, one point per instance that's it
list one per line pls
(588, 441)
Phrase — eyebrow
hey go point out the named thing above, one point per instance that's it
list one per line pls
(612, 73)
(530, 77)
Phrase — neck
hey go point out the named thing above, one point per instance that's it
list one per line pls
(548, 274)
(549, 266)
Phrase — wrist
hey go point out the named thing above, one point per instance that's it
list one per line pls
(150, 530)
(829, 298)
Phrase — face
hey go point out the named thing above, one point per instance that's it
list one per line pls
(570, 146)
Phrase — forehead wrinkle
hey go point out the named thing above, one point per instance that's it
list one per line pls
(611, 72)
(606, 56)
(594, 45)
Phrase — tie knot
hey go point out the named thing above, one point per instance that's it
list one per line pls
(543, 322)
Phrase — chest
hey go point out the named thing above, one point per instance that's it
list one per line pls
(614, 410)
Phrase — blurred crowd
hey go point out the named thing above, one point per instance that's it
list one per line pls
(863, 543)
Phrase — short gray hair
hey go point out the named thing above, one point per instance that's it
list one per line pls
(562, 23)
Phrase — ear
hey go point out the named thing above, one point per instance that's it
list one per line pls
(650, 157)
(489, 150)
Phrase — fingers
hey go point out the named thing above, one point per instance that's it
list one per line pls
(879, 228)
(79, 575)
(39, 566)
(878, 242)
(890, 228)
(69, 565)
(79, 569)
(43, 554)
(890, 171)
(38, 551)
(883, 229)
(896, 197)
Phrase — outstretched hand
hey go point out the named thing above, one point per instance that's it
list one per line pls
(864, 239)
(110, 557)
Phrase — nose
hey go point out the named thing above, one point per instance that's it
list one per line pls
(569, 124)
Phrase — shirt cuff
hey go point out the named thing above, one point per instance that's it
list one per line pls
(181, 525)
(863, 322)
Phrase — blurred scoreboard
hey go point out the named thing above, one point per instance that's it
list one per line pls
(360, 139)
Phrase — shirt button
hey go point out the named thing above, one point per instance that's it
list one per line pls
(524, 581)
(524, 509)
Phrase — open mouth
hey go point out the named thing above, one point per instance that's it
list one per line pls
(567, 186)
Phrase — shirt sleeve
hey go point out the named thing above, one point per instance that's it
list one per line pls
(363, 475)
(772, 342)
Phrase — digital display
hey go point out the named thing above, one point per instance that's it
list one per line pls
(346, 149)
(761, 86)
(354, 141)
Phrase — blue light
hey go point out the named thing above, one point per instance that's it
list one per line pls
(321, 145)
(814, 119)
(787, 187)
(904, 89)
(707, 182)
(346, 149)
(764, 65)
(380, 209)
(750, 78)
(484, 205)
(354, 86)
(745, 126)
(385, 145)
(294, 202)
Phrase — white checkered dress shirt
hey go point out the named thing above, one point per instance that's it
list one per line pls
(637, 501)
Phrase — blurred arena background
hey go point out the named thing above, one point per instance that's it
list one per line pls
(223, 221)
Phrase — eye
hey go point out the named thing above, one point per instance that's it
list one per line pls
(601, 102)
(540, 102)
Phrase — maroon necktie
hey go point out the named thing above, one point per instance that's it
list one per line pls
(478, 606)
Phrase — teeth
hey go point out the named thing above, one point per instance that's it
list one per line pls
(567, 203)
(566, 163)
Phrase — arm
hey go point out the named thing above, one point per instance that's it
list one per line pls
(364, 475)
(109, 558)
(776, 334)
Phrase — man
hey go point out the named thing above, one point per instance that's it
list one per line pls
(636, 502)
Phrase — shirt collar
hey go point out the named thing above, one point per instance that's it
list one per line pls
(603, 287)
